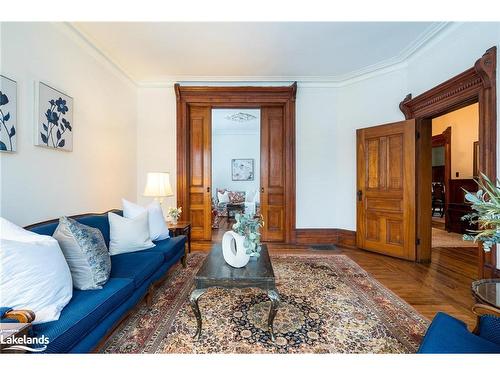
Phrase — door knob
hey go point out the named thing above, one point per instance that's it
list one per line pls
(261, 189)
(208, 189)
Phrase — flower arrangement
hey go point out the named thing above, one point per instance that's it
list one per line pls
(248, 226)
(486, 213)
(174, 213)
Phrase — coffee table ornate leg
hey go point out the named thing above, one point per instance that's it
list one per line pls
(275, 302)
(193, 299)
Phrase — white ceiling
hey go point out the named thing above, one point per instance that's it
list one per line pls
(222, 125)
(153, 52)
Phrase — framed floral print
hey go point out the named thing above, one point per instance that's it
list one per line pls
(8, 114)
(242, 169)
(54, 127)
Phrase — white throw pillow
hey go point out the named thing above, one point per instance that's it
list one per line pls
(157, 227)
(34, 274)
(128, 235)
(223, 197)
(11, 231)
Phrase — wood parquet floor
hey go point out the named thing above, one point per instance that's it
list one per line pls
(442, 285)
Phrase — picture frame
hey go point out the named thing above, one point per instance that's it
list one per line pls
(8, 115)
(242, 169)
(54, 118)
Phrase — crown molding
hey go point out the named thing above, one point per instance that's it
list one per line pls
(400, 61)
(302, 81)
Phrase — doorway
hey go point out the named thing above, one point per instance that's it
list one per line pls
(454, 167)
(400, 215)
(235, 166)
(475, 85)
(277, 154)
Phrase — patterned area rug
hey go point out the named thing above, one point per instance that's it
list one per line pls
(329, 305)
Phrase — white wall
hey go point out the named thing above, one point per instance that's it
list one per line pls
(39, 184)
(156, 138)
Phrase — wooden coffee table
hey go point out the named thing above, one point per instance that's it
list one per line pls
(215, 272)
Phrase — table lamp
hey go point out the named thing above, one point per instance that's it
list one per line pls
(158, 186)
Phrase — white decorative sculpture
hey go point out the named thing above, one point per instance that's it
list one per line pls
(233, 249)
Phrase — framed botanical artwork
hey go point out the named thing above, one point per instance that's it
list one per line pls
(54, 122)
(8, 114)
(242, 169)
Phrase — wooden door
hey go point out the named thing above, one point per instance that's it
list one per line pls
(386, 189)
(272, 161)
(200, 143)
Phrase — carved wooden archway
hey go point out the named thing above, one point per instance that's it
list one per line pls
(240, 97)
(477, 84)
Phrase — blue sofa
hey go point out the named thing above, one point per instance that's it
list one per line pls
(448, 335)
(91, 315)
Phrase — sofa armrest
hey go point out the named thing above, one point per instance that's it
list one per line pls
(22, 316)
(481, 309)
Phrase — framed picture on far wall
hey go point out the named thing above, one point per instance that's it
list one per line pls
(54, 121)
(242, 169)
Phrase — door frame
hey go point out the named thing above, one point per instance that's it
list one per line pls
(238, 97)
(476, 84)
(444, 139)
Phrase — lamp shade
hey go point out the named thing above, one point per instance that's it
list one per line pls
(158, 185)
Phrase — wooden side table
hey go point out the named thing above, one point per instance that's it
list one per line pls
(181, 228)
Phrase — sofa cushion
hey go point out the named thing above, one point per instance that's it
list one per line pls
(136, 266)
(168, 248)
(449, 335)
(85, 310)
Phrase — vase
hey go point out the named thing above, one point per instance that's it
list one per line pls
(233, 249)
(174, 221)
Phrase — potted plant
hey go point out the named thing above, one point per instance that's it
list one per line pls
(243, 241)
(486, 213)
(174, 213)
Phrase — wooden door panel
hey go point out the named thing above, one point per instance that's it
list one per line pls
(196, 137)
(273, 173)
(386, 189)
(200, 205)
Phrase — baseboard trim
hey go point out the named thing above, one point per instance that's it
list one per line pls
(323, 236)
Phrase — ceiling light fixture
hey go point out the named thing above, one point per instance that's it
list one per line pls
(240, 117)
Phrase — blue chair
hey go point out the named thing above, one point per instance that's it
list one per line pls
(448, 335)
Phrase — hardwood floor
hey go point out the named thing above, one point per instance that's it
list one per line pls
(442, 285)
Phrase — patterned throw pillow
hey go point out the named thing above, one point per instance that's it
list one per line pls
(236, 196)
(86, 253)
